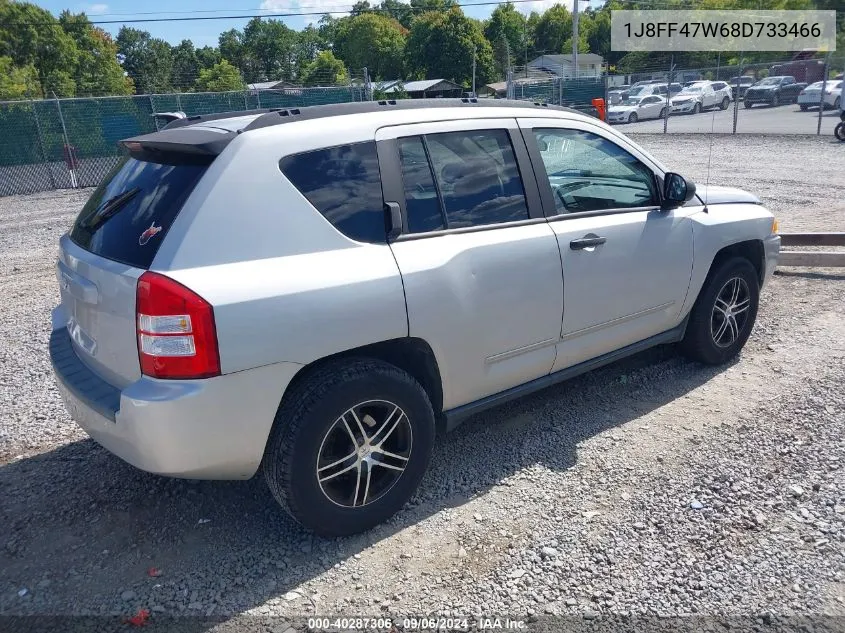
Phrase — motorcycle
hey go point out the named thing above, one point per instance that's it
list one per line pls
(839, 131)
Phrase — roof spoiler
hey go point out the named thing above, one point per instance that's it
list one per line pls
(183, 144)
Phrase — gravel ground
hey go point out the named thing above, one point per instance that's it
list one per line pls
(653, 486)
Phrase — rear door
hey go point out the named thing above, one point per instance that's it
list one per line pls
(479, 262)
(112, 242)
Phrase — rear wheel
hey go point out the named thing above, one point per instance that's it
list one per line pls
(725, 103)
(804, 107)
(724, 313)
(748, 104)
(839, 131)
(349, 446)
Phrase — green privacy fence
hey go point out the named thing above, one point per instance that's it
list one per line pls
(59, 143)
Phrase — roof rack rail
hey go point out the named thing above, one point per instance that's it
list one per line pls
(362, 107)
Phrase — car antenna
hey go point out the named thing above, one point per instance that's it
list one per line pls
(709, 160)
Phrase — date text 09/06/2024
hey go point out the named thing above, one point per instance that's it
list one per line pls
(414, 624)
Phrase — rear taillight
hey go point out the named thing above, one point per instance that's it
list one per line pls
(176, 333)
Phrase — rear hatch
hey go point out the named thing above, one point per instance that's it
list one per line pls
(112, 242)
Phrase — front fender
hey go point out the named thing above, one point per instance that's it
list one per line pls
(721, 226)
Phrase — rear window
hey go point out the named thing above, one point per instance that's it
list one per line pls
(344, 184)
(129, 214)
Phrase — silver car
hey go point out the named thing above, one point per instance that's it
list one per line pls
(315, 292)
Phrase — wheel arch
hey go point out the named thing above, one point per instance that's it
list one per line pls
(410, 354)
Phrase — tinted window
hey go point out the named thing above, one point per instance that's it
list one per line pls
(129, 214)
(344, 184)
(590, 173)
(719, 86)
(477, 177)
(421, 203)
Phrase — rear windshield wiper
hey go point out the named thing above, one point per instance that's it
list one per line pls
(108, 209)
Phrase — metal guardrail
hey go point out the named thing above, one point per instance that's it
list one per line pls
(831, 259)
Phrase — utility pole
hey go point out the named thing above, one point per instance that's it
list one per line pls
(575, 36)
(473, 70)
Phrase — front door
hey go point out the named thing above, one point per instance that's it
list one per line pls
(479, 262)
(626, 263)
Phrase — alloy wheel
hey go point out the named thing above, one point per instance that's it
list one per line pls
(730, 312)
(364, 453)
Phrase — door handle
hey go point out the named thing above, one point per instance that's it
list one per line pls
(586, 242)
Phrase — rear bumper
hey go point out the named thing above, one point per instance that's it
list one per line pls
(215, 428)
(771, 250)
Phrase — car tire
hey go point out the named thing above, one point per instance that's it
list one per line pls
(662, 113)
(837, 103)
(804, 107)
(775, 101)
(725, 103)
(748, 104)
(696, 108)
(712, 337)
(325, 420)
(633, 118)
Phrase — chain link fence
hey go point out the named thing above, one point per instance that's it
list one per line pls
(68, 143)
(748, 98)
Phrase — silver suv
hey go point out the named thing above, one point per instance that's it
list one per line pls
(315, 292)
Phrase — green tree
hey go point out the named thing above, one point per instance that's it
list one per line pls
(325, 70)
(18, 82)
(440, 46)
(309, 43)
(207, 56)
(399, 11)
(231, 47)
(186, 66)
(374, 41)
(147, 60)
(221, 77)
(553, 29)
(506, 32)
(31, 35)
(270, 48)
(98, 71)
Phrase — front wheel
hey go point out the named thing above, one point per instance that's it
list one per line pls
(804, 107)
(633, 118)
(696, 108)
(349, 446)
(775, 101)
(725, 103)
(748, 104)
(837, 103)
(724, 313)
(839, 131)
(663, 113)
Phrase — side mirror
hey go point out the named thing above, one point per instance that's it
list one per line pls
(677, 190)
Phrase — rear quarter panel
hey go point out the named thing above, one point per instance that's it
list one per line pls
(286, 286)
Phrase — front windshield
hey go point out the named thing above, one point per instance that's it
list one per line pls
(769, 81)
(631, 101)
(691, 90)
(637, 90)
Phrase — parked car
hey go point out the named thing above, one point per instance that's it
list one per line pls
(810, 96)
(739, 85)
(635, 109)
(700, 96)
(313, 292)
(774, 91)
(617, 94)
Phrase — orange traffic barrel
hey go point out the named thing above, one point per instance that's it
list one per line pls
(598, 104)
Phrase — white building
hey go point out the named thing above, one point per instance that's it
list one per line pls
(589, 65)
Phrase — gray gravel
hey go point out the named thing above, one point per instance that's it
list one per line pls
(653, 486)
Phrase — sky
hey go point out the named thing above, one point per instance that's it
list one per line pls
(205, 32)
